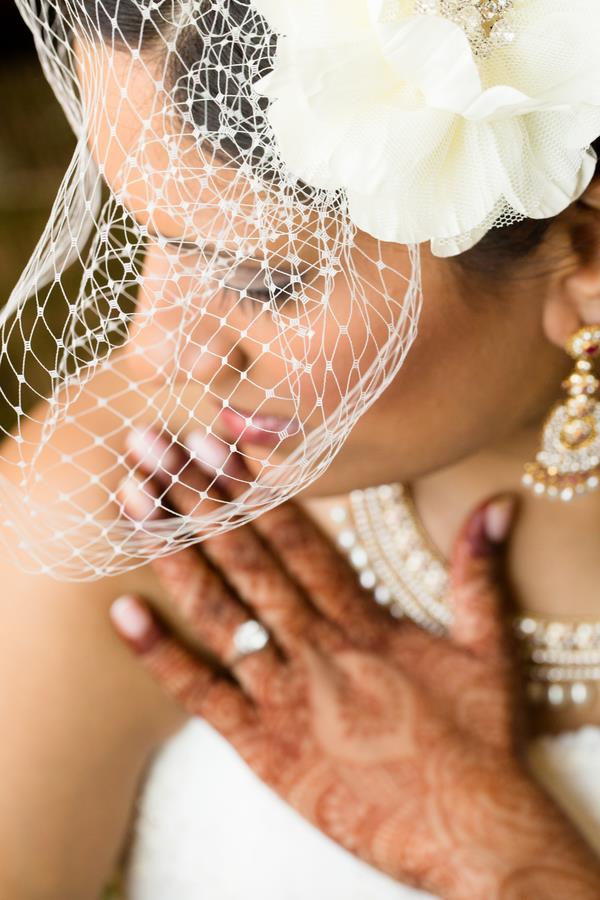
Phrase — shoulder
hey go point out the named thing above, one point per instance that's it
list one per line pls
(65, 624)
(81, 717)
(81, 722)
(72, 448)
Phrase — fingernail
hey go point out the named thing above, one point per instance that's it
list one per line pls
(134, 622)
(153, 450)
(210, 452)
(498, 519)
(477, 536)
(137, 499)
(490, 525)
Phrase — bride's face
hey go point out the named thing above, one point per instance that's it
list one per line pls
(479, 370)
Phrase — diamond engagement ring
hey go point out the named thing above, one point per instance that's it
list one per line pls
(250, 637)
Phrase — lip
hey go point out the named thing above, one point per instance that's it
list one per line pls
(256, 428)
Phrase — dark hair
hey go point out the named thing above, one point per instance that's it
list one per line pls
(124, 22)
(503, 247)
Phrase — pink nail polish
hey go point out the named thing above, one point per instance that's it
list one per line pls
(137, 499)
(498, 519)
(208, 450)
(131, 619)
(154, 451)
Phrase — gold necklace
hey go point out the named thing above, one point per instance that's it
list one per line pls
(384, 540)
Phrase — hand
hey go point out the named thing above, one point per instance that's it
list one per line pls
(406, 749)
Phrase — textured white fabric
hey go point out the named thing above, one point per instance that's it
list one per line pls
(208, 828)
(436, 135)
(188, 275)
(204, 282)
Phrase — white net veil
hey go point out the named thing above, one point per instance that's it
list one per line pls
(190, 281)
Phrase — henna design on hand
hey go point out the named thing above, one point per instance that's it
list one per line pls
(406, 749)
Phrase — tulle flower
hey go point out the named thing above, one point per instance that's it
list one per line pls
(439, 119)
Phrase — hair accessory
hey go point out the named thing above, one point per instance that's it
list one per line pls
(437, 119)
(568, 464)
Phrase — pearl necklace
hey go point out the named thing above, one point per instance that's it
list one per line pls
(395, 559)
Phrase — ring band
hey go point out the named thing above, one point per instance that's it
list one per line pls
(250, 637)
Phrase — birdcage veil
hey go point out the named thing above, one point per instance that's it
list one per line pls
(225, 240)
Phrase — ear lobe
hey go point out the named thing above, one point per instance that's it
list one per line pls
(561, 319)
(591, 197)
(573, 298)
(573, 303)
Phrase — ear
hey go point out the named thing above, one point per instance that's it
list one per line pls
(591, 198)
(573, 298)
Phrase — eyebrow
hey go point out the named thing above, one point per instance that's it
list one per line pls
(204, 246)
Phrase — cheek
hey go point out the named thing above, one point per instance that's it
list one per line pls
(357, 339)
(331, 362)
(467, 382)
(155, 333)
(176, 333)
(449, 390)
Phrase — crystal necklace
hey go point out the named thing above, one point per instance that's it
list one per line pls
(486, 23)
(385, 542)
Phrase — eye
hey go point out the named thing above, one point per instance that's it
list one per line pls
(181, 248)
(261, 286)
(245, 281)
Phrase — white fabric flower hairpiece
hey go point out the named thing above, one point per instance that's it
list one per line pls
(439, 119)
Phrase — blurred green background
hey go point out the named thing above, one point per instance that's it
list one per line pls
(36, 144)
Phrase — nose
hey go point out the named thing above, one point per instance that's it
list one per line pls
(212, 350)
(178, 337)
(194, 346)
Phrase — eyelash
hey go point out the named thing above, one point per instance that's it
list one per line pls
(278, 293)
(253, 298)
(245, 296)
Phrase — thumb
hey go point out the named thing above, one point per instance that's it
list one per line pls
(478, 595)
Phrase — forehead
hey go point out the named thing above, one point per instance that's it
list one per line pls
(171, 183)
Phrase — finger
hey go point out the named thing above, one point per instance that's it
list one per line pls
(314, 562)
(139, 499)
(217, 619)
(306, 554)
(192, 683)
(326, 577)
(480, 599)
(248, 566)
(207, 606)
(160, 457)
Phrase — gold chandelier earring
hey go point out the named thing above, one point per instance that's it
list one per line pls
(568, 465)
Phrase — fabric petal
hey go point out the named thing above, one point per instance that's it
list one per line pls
(305, 158)
(448, 189)
(454, 246)
(435, 55)
(429, 141)
(501, 101)
(320, 98)
(319, 22)
(553, 58)
(543, 176)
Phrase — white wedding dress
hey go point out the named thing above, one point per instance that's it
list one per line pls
(209, 829)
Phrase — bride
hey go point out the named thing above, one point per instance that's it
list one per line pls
(386, 686)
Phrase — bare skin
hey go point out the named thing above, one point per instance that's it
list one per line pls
(404, 748)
